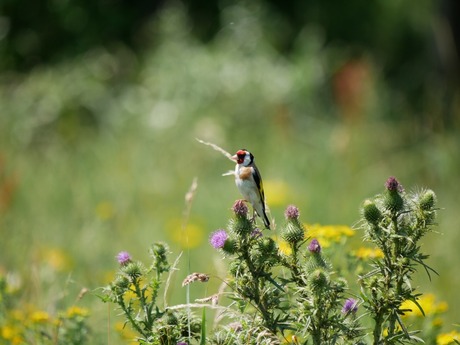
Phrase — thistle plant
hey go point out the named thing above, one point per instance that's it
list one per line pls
(395, 221)
(135, 291)
(255, 257)
(283, 288)
(285, 293)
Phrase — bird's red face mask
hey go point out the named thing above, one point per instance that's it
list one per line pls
(239, 157)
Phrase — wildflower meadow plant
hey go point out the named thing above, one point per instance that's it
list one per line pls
(21, 325)
(395, 221)
(135, 291)
(293, 296)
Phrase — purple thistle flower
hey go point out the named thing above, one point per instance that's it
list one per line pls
(256, 233)
(218, 238)
(292, 212)
(392, 184)
(123, 258)
(314, 246)
(350, 305)
(240, 208)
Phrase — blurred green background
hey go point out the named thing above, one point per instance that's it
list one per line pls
(101, 102)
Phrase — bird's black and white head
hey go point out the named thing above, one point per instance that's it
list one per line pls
(243, 157)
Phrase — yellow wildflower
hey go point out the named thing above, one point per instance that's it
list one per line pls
(290, 338)
(126, 333)
(283, 247)
(130, 294)
(17, 315)
(326, 234)
(368, 253)
(11, 333)
(447, 338)
(437, 322)
(58, 259)
(75, 311)
(39, 316)
(428, 303)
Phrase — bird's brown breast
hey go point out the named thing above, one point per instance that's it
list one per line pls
(245, 173)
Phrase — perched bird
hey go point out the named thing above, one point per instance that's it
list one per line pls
(249, 183)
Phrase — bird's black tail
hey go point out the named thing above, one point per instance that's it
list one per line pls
(266, 220)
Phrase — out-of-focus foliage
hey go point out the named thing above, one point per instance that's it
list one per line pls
(33, 33)
(403, 37)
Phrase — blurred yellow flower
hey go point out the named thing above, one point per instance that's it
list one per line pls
(75, 311)
(39, 316)
(57, 258)
(17, 314)
(11, 333)
(126, 333)
(368, 253)
(190, 237)
(129, 294)
(276, 192)
(326, 234)
(283, 247)
(428, 303)
(438, 322)
(104, 210)
(447, 338)
(290, 338)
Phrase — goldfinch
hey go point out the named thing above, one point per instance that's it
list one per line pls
(249, 183)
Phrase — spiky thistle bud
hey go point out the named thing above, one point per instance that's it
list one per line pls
(341, 284)
(427, 200)
(370, 212)
(122, 283)
(392, 197)
(158, 252)
(268, 246)
(318, 279)
(293, 231)
(133, 270)
(230, 246)
(241, 226)
(171, 319)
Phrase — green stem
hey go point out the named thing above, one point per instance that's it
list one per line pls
(127, 312)
(256, 297)
(377, 329)
(395, 273)
(144, 305)
(294, 266)
(317, 323)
